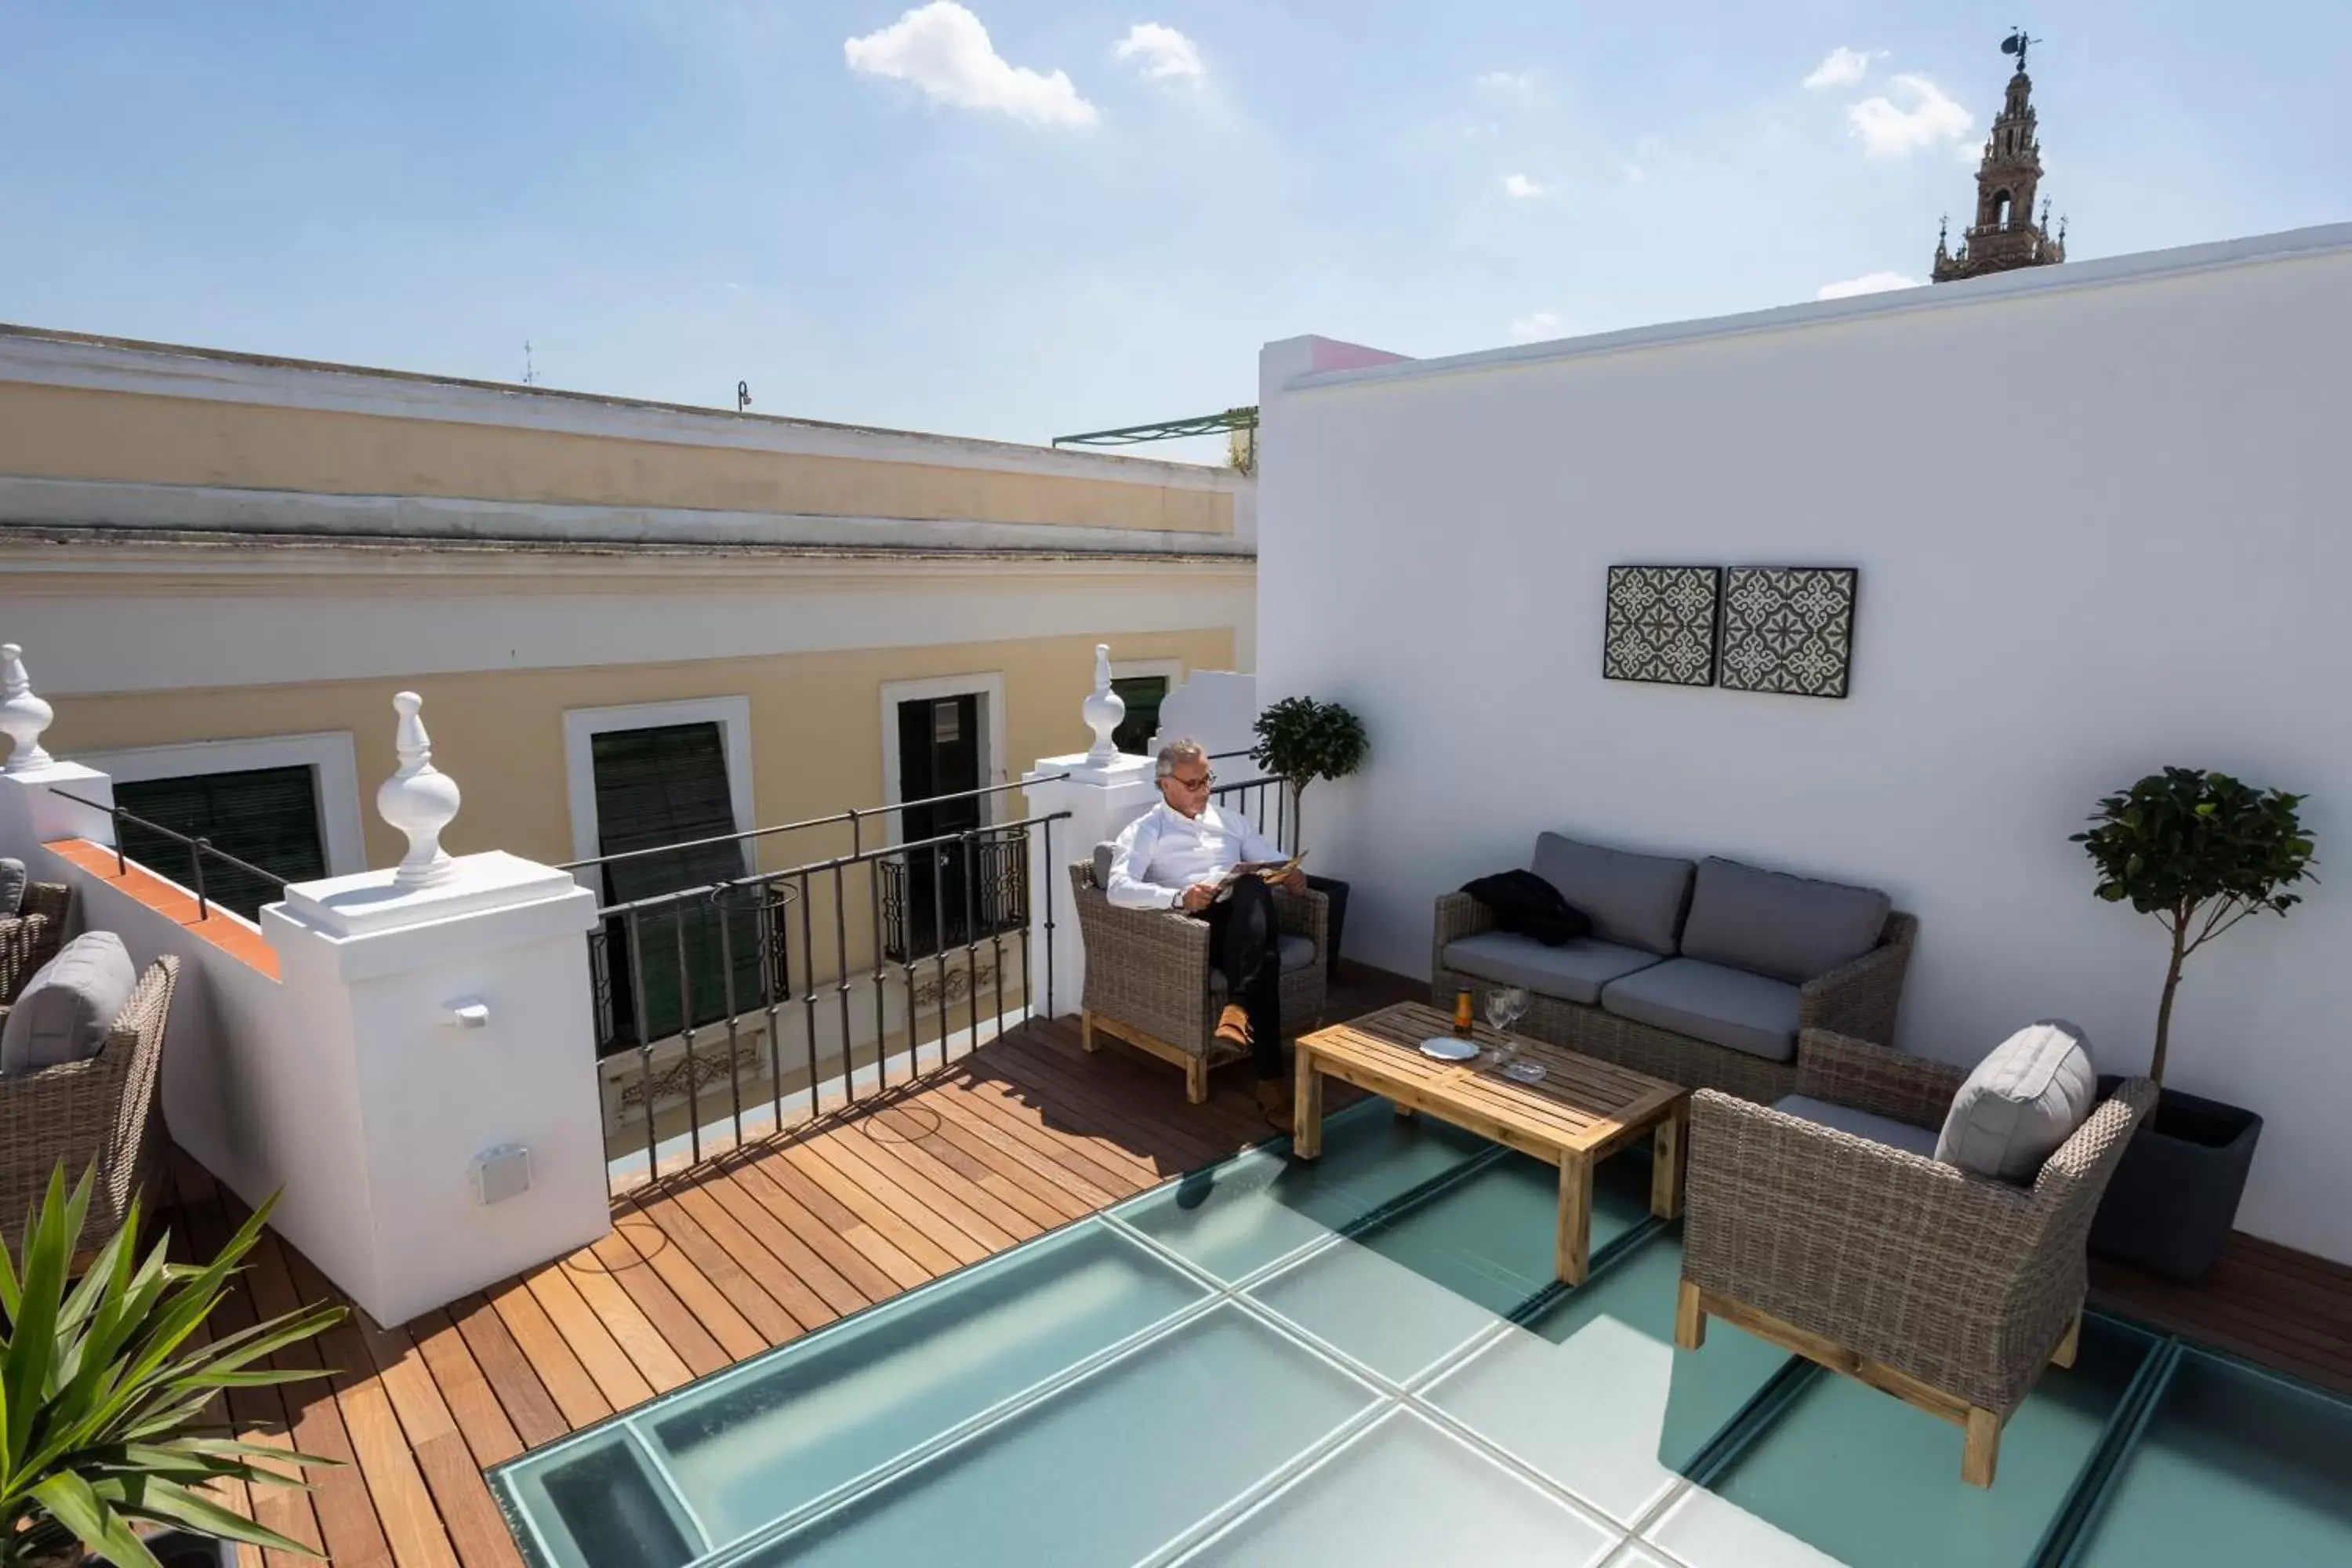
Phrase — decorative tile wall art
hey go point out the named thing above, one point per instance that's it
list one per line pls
(1661, 623)
(1788, 629)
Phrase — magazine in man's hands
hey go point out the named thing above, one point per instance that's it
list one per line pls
(1265, 870)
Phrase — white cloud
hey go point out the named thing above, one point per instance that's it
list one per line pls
(1537, 326)
(942, 48)
(1888, 131)
(1842, 66)
(1521, 188)
(1162, 51)
(1868, 283)
(1511, 82)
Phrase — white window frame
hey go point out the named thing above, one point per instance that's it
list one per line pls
(1139, 669)
(989, 687)
(330, 755)
(583, 725)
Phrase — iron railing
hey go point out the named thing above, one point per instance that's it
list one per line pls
(764, 966)
(198, 848)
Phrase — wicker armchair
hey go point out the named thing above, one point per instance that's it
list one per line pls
(1148, 978)
(1947, 1290)
(99, 1112)
(1857, 999)
(31, 937)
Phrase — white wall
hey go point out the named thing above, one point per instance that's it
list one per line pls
(2101, 518)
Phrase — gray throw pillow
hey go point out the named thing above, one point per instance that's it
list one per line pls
(1633, 901)
(2022, 1101)
(1105, 853)
(12, 889)
(64, 1011)
(1766, 922)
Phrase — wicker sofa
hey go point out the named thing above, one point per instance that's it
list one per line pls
(1952, 1291)
(1150, 981)
(31, 937)
(1651, 915)
(98, 1113)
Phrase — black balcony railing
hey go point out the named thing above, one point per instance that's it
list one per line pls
(731, 991)
(232, 879)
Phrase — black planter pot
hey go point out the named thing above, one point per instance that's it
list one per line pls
(2174, 1196)
(1337, 891)
(182, 1549)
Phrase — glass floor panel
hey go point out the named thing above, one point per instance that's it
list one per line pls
(1865, 1478)
(1107, 1470)
(1366, 1360)
(1540, 1390)
(1407, 1492)
(2235, 1466)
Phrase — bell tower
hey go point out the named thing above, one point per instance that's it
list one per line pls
(2006, 233)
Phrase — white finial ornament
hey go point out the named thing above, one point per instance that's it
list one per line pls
(23, 716)
(1103, 712)
(420, 800)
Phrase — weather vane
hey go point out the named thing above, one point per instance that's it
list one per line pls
(2016, 43)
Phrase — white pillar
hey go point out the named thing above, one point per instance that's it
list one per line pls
(33, 811)
(451, 997)
(1103, 791)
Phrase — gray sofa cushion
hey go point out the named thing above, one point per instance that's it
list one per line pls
(1297, 953)
(62, 1014)
(1791, 928)
(1105, 853)
(2023, 1100)
(12, 888)
(1727, 1008)
(1636, 900)
(1575, 971)
(1919, 1140)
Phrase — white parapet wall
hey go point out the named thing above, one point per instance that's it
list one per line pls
(2099, 515)
(405, 1057)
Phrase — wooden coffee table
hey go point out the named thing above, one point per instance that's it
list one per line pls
(1582, 1112)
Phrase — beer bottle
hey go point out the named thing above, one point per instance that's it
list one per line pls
(1462, 1013)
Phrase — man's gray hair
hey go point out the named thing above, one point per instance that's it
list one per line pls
(1175, 752)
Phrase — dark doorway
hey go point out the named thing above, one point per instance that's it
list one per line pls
(938, 753)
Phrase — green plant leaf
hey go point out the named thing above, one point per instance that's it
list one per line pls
(69, 1499)
(171, 1502)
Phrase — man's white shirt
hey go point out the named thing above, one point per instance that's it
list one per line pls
(1163, 852)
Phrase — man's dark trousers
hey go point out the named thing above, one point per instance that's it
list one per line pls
(1246, 945)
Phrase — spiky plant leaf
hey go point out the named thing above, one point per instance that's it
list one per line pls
(105, 1400)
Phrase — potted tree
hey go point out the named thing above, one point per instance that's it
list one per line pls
(1299, 741)
(2200, 851)
(105, 1389)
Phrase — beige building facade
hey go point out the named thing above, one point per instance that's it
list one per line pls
(220, 564)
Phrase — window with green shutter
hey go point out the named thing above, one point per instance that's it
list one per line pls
(268, 817)
(1143, 695)
(655, 787)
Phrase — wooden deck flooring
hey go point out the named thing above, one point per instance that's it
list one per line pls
(786, 1236)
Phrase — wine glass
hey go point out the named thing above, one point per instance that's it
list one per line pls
(1505, 1005)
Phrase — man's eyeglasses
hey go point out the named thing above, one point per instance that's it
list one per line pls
(1180, 781)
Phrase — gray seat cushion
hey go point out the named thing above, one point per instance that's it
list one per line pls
(1919, 1140)
(12, 888)
(1791, 928)
(1634, 900)
(2022, 1101)
(1727, 1008)
(1297, 953)
(1575, 971)
(62, 1014)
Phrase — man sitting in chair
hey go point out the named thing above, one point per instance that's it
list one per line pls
(1178, 855)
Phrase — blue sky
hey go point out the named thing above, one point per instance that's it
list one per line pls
(1016, 218)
